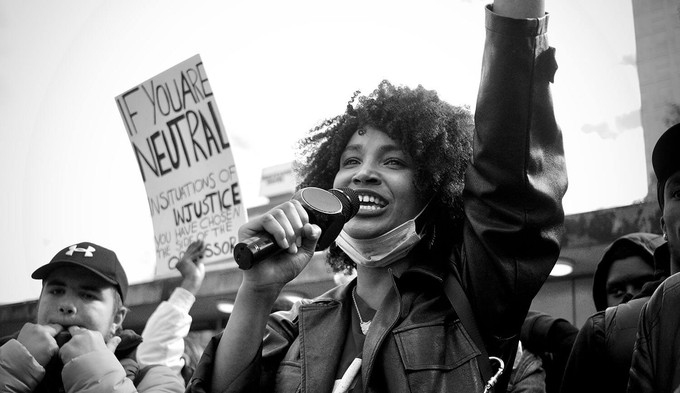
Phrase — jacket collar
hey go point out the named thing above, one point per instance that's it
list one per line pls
(428, 270)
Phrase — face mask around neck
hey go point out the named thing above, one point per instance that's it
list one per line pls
(383, 250)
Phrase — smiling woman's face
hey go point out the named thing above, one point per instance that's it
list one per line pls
(376, 167)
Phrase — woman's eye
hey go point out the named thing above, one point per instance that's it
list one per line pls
(394, 162)
(350, 161)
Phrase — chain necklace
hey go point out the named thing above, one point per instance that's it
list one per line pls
(364, 325)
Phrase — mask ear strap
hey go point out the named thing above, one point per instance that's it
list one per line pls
(424, 217)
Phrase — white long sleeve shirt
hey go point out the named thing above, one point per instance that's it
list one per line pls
(165, 331)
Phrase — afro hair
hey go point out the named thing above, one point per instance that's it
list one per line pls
(435, 134)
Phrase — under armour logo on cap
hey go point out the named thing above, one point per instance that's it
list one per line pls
(87, 251)
(103, 263)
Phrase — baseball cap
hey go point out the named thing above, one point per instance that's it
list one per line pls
(97, 259)
(665, 158)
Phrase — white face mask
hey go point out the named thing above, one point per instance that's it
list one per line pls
(383, 250)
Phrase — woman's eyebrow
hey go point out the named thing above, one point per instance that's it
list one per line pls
(352, 148)
(390, 148)
(382, 149)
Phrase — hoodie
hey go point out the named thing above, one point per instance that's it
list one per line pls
(643, 244)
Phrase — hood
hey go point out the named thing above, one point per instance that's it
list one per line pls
(646, 243)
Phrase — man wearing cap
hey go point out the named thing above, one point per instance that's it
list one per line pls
(77, 343)
(656, 359)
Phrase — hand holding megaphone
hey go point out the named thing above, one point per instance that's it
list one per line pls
(330, 210)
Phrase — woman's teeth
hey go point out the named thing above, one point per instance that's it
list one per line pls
(371, 202)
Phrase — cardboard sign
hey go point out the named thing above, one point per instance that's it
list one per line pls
(186, 163)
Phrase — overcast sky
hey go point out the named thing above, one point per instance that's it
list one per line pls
(276, 69)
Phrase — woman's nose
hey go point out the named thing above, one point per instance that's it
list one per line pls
(366, 175)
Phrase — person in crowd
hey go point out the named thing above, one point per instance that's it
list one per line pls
(655, 366)
(77, 343)
(193, 349)
(434, 217)
(550, 339)
(169, 324)
(630, 268)
(625, 267)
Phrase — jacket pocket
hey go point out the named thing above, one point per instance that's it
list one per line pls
(436, 345)
(439, 357)
(288, 377)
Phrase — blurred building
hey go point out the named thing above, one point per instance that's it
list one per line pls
(657, 38)
(657, 30)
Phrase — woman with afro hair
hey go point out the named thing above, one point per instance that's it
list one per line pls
(434, 135)
(449, 246)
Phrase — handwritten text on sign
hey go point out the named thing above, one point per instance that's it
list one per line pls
(183, 154)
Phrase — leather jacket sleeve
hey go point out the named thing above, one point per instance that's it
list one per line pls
(583, 370)
(259, 374)
(655, 365)
(641, 378)
(515, 182)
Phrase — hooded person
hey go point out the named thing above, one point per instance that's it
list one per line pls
(601, 354)
(567, 353)
(626, 265)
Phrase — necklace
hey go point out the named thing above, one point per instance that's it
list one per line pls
(364, 325)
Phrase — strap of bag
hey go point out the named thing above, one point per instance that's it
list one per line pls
(459, 301)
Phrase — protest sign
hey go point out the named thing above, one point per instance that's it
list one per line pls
(186, 163)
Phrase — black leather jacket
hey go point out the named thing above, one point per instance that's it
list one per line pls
(511, 238)
(656, 359)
